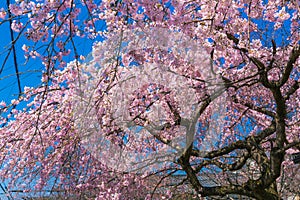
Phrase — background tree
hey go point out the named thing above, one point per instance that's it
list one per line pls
(128, 97)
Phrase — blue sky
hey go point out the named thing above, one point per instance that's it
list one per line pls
(30, 72)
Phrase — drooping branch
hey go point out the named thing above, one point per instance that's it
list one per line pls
(240, 144)
(238, 164)
(289, 66)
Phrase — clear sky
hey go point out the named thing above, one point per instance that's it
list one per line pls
(29, 72)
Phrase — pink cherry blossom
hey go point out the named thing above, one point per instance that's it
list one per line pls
(177, 100)
(2, 13)
(282, 15)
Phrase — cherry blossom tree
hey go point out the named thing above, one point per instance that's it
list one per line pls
(191, 89)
